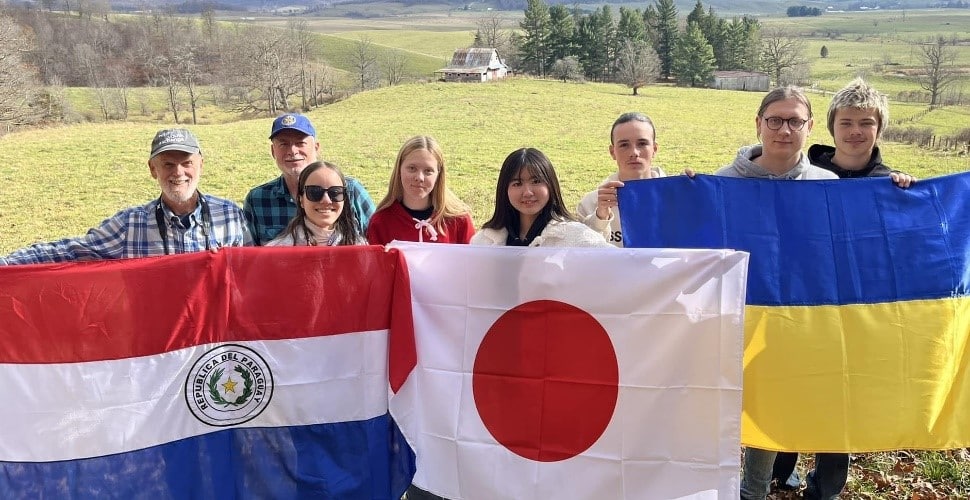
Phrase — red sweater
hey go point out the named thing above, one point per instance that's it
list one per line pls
(395, 223)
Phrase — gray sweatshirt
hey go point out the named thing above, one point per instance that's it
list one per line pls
(743, 166)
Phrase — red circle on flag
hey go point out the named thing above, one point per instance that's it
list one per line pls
(545, 380)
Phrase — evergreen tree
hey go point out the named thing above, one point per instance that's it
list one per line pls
(693, 63)
(590, 47)
(650, 25)
(696, 15)
(741, 44)
(824, 52)
(630, 27)
(606, 25)
(535, 25)
(666, 35)
(561, 33)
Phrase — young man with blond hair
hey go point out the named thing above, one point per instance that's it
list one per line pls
(857, 117)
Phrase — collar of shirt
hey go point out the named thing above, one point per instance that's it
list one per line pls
(195, 216)
(280, 190)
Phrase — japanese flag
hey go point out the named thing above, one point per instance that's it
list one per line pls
(574, 373)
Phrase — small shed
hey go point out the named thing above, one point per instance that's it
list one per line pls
(755, 81)
(475, 64)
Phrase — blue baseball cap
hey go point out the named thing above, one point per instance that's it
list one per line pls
(300, 123)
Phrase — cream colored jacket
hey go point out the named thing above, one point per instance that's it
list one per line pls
(556, 234)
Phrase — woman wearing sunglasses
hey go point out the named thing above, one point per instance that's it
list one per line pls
(529, 209)
(320, 216)
(418, 205)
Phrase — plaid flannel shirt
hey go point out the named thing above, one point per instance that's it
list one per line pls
(269, 208)
(133, 232)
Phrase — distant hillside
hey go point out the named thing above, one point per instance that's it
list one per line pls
(724, 7)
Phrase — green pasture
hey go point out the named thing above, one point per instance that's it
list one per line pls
(388, 16)
(339, 52)
(147, 105)
(888, 65)
(437, 44)
(904, 24)
(63, 180)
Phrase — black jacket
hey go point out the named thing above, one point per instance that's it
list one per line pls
(821, 155)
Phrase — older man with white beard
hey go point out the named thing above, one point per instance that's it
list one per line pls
(180, 220)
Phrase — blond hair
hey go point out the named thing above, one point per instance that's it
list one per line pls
(445, 204)
(859, 95)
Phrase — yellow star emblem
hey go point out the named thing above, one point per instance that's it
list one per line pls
(230, 385)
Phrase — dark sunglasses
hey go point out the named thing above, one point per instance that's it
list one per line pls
(315, 193)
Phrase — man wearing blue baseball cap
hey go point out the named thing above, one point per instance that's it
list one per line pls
(269, 207)
(180, 220)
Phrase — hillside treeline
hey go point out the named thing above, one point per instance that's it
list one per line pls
(636, 46)
(253, 69)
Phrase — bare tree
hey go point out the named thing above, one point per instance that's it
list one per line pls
(567, 68)
(118, 77)
(490, 31)
(192, 76)
(493, 31)
(365, 64)
(165, 69)
(18, 83)
(637, 64)
(264, 73)
(92, 65)
(323, 85)
(938, 59)
(781, 53)
(303, 40)
(394, 66)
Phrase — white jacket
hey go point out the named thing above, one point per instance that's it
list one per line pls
(556, 234)
(609, 228)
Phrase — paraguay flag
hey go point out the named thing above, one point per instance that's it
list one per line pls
(250, 373)
(574, 373)
(857, 328)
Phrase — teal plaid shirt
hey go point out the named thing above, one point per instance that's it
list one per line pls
(270, 207)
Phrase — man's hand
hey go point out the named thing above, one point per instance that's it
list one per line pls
(902, 180)
(606, 199)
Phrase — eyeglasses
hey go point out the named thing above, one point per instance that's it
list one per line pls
(794, 123)
(315, 193)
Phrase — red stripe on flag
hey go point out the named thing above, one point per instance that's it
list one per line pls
(402, 351)
(94, 311)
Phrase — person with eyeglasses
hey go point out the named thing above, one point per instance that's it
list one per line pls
(783, 123)
(633, 144)
(321, 216)
(418, 205)
(180, 220)
(856, 118)
(270, 207)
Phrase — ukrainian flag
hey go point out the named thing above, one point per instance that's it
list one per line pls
(857, 325)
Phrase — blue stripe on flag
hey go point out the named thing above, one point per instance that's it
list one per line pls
(346, 460)
(815, 242)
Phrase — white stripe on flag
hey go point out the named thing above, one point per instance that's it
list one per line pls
(674, 318)
(78, 410)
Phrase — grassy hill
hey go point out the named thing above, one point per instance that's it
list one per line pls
(67, 179)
